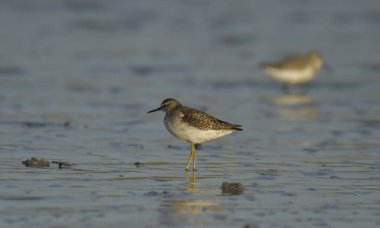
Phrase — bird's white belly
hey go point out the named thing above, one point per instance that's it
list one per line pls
(192, 134)
(292, 76)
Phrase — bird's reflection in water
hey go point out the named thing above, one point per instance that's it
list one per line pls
(189, 209)
(188, 212)
(191, 183)
(292, 99)
(310, 113)
(295, 106)
(193, 206)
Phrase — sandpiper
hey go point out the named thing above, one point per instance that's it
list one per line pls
(192, 125)
(295, 69)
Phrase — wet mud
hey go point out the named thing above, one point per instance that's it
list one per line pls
(77, 78)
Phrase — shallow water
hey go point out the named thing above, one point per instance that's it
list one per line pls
(77, 77)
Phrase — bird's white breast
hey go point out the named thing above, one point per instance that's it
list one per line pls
(292, 76)
(186, 132)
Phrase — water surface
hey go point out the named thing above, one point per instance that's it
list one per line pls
(77, 77)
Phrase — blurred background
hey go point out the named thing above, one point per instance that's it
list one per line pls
(77, 77)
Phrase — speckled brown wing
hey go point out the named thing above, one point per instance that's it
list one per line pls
(290, 62)
(205, 121)
(296, 62)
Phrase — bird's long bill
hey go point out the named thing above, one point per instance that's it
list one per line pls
(155, 110)
(328, 68)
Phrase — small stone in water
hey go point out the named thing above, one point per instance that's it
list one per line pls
(36, 163)
(138, 164)
(232, 188)
(62, 164)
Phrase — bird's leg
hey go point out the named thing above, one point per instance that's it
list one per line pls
(306, 87)
(190, 157)
(285, 88)
(194, 155)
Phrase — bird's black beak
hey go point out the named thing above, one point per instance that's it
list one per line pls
(328, 68)
(155, 110)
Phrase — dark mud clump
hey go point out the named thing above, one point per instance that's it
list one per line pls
(42, 163)
(138, 164)
(62, 164)
(232, 188)
(174, 147)
(11, 70)
(36, 163)
(66, 123)
(32, 124)
(154, 193)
